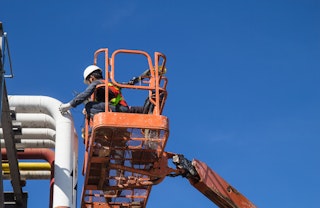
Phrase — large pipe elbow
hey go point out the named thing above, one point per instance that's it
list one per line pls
(65, 143)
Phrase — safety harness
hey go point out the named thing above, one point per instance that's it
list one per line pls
(118, 98)
(115, 96)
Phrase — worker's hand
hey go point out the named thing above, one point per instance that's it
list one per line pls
(65, 107)
(131, 81)
(134, 80)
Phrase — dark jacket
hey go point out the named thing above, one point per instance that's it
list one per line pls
(85, 95)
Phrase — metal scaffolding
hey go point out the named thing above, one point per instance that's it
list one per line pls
(17, 198)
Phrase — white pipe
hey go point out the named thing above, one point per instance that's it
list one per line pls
(31, 174)
(75, 167)
(65, 144)
(32, 143)
(37, 131)
(34, 133)
(31, 120)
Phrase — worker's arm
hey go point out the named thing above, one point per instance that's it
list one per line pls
(80, 98)
(138, 79)
(83, 96)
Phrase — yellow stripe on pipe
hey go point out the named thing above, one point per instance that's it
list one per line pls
(28, 166)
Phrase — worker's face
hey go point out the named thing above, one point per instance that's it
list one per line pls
(89, 79)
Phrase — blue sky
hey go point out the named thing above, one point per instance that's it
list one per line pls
(244, 84)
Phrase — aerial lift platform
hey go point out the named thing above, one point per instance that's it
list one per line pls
(125, 152)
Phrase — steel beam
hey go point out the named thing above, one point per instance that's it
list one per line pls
(8, 135)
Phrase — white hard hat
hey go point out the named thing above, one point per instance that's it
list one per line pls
(88, 71)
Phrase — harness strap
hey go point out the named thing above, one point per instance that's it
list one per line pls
(118, 99)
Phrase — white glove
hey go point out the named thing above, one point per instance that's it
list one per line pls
(65, 107)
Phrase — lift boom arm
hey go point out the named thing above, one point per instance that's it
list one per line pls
(210, 184)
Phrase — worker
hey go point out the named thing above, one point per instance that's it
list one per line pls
(93, 76)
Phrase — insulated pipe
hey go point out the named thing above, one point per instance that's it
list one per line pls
(75, 168)
(74, 174)
(35, 133)
(65, 169)
(39, 153)
(28, 166)
(32, 120)
(33, 153)
(32, 143)
(31, 175)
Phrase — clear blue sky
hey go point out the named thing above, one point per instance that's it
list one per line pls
(244, 84)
